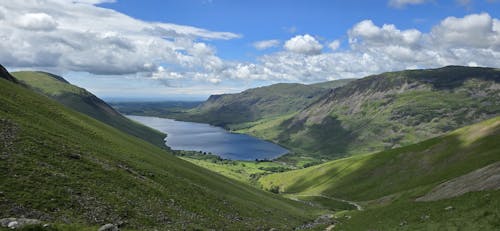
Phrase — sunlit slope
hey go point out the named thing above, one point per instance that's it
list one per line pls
(419, 166)
(386, 111)
(62, 166)
(445, 183)
(85, 102)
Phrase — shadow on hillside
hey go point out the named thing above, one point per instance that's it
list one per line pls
(327, 137)
(420, 165)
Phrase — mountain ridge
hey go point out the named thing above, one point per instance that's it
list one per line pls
(388, 110)
(79, 99)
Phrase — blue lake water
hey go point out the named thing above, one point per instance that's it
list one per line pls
(206, 138)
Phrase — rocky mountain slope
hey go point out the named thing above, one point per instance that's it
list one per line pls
(388, 110)
(257, 103)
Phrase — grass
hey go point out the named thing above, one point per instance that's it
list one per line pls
(387, 183)
(62, 166)
(243, 171)
(370, 176)
(85, 102)
(385, 111)
(472, 211)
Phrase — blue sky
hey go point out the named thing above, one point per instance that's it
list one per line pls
(193, 48)
(280, 19)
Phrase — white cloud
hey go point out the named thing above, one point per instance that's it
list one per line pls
(334, 45)
(66, 37)
(404, 3)
(471, 40)
(303, 44)
(37, 21)
(79, 36)
(476, 30)
(265, 44)
(372, 35)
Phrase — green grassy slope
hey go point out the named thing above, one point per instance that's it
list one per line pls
(62, 166)
(85, 102)
(388, 110)
(387, 183)
(229, 110)
(371, 176)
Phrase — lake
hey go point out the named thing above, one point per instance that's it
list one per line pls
(191, 136)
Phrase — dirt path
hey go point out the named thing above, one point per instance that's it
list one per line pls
(325, 218)
(358, 207)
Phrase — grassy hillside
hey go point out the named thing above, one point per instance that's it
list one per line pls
(61, 166)
(85, 102)
(387, 111)
(387, 183)
(229, 110)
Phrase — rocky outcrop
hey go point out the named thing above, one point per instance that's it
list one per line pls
(4, 74)
(486, 178)
(16, 223)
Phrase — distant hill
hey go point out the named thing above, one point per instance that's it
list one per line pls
(389, 110)
(447, 182)
(66, 168)
(257, 103)
(81, 100)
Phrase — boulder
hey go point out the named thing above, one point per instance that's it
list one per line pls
(108, 227)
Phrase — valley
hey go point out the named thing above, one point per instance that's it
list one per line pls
(120, 115)
(342, 193)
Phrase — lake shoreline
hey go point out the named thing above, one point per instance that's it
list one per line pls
(207, 138)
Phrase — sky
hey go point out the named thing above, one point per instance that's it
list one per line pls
(190, 49)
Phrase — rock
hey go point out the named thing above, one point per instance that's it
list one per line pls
(403, 223)
(75, 156)
(425, 217)
(108, 227)
(14, 223)
(448, 208)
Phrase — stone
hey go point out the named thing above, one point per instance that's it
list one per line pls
(14, 223)
(108, 227)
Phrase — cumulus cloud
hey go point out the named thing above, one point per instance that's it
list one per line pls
(373, 35)
(475, 31)
(265, 44)
(404, 3)
(334, 45)
(63, 35)
(472, 40)
(303, 44)
(79, 36)
(37, 21)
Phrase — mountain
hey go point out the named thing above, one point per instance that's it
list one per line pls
(386, 111)
(66, 168)
(447, 182)
(81, 100)
(4, 74)
(257, 103)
